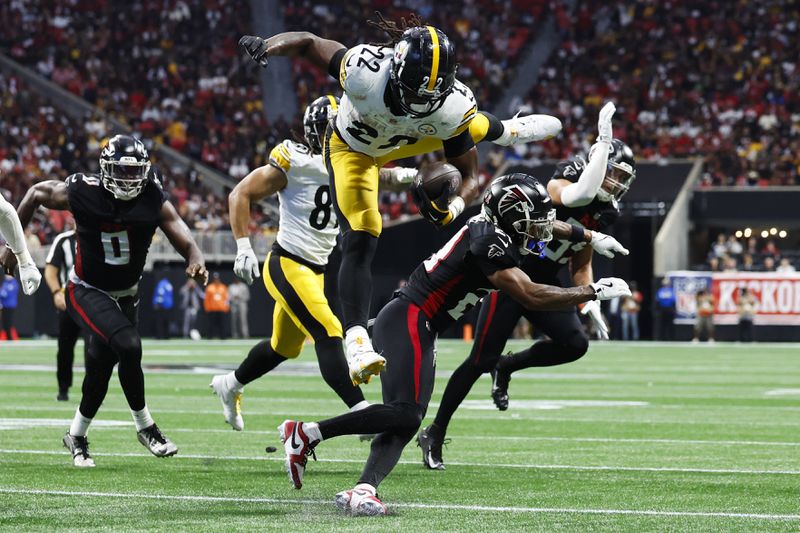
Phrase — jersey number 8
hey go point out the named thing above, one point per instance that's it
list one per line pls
(321, 214)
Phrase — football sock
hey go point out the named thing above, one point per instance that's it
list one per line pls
(142, 418)
(311, 429)
(260, 360)
(363, 404)
(333, 367)
(232, 383)
(355, 277)
(80, 424)
(459, 385)
(486, 127)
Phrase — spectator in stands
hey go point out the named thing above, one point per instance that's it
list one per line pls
(704, 323)
(630, 308)
(720, 247)
(769, 264)
(752, 247)
(9, 298)
(191, 297)
(734, 246)
(771, 250)
(729, 264)
(747, 307)
(713, 264)
(747, 263)
(216, 306)
(665, 299)
(163, 300)
(785, 266)
(239, 294)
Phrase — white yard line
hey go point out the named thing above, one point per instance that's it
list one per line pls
(280, 457)
(409, 505)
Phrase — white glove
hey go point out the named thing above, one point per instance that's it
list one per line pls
(604, 130)
(608, 288)
(404, 175)
(29, 276)
(593, 310)
(246, 264)
(607, 245)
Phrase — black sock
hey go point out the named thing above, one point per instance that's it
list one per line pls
(457, 389)
(333, 367)
(355, 277)
(496, 127)
(260, 360)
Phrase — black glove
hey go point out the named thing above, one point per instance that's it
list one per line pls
(436, 210)
(256, 47)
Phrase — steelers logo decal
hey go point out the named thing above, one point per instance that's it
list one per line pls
(427, 129)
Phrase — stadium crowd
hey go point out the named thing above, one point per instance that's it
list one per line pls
(751, 254)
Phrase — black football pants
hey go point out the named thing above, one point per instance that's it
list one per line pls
(110, 325)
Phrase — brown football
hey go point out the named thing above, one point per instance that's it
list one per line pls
(436, 176)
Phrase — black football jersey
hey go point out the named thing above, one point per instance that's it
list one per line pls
(454, 279)
(114, 236)
(596, 215)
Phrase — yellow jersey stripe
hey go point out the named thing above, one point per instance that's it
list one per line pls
(332, 100)
(471, 111)
(435, 63)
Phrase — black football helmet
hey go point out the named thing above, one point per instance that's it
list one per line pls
(316, 118)
(124, 167)
(520, 206)
(423, 71)
(620, 173)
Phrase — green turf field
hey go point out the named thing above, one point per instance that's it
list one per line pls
(634, 437)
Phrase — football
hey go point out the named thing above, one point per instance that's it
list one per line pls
(435, 177)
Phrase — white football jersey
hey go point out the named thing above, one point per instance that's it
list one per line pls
(365, 122)
(308, 225)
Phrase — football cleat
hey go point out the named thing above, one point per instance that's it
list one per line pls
(231, 402)
(363, 364)
(63, 395)
(431, 449)
(500, 382)
(155, 441)
(79, 447)
(360, 501)
(530, 128)
(298, 448)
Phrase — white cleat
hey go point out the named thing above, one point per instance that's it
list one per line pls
(298, 447)
(156, 442)
(231, 402)
(363, 364)
(79, 448)
(530, 128)
(360, 501)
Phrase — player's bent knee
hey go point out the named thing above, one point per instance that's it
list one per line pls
(408, 416)
(577, 346)
(127, 343)
(368, 220)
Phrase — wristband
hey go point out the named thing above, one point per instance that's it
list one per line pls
(577, 234)
(456, 206)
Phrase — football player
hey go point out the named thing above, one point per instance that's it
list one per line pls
(517, 218)
(116, 215)
(294, 270)
(584, 194)
(399, 100)
(11, 231)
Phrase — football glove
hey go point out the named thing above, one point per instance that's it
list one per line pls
(607, 245)
(604, 130)
(609, 288)
(436, 210)
(29, 277)
(246, 264)
(256, 48)
(592, 309)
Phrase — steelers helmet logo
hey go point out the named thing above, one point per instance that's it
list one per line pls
(427, 129)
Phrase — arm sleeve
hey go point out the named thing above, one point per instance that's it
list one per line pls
(458, 145)
(335, 66)
(583, 191)
(11, 229)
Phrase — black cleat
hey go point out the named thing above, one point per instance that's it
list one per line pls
(500, 382)
(63, 395)
(431, 449)
(155, 441)
(79, 448)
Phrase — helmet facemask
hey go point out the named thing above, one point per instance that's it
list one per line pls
(315, 122)
(535, 233)
(125, 178)
(617, 182)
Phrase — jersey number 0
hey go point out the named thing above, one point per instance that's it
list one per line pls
(116, 248)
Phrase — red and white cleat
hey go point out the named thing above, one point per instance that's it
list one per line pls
(360, 501)
(298, 448)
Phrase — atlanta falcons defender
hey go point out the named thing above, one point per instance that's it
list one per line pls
(517, 218)
(584, 194)
(116, 214)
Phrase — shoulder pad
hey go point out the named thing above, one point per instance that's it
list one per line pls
(282, 155)
(458, 110)
(570, 169)
(360, 69)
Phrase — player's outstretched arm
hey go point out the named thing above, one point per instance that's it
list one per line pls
(51, 194)
(259, 184)
(600, 242)
(181, 239)
(535, 296)
(304, 44)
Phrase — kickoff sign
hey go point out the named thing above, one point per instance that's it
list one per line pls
(778, 295)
